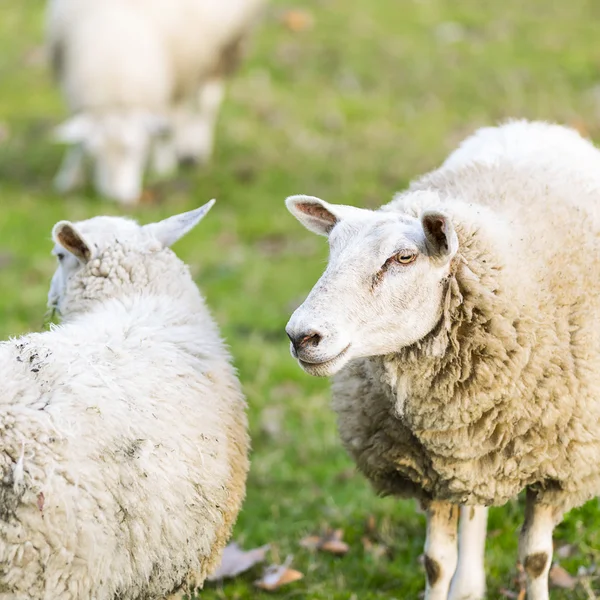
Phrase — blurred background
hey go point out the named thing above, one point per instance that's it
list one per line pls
(347, 100)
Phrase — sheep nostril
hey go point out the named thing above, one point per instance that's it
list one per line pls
(310, 339)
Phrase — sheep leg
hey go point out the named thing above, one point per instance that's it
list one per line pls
(71, 173)
(441, 549)
(535, 546)
(164, 158)
(195, 129)
(468, 582)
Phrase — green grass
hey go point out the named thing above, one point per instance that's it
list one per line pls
(373, 94)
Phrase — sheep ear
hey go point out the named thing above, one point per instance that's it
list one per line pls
(170, 230)
(315, 214)
(65, 234)
(73, 131)
(440, 238)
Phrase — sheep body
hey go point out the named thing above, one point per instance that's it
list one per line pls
(144, 82)
(129, 54)
(123, 445)
(504, 392)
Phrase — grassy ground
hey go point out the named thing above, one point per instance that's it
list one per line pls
(350, 108)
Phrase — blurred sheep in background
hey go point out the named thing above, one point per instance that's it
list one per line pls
(144, 82)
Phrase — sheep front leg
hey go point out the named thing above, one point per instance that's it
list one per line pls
(440, 549)
(468, 582)
(535, 546)
(71, 173)
(194, 135)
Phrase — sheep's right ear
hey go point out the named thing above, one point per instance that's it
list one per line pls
(73, 131)
(315, 214)
(65, 234)
(168, 231)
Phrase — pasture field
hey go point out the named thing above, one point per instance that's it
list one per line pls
(347, 100)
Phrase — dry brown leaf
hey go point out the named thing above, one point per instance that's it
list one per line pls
(508, 593)
(311, 542)
(561, 578)
(276, 576)
(297, 19)
(580, 126)
(331, 541)
(522, 595)
(235, 561)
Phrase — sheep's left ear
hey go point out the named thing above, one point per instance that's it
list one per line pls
(440, 238)
(65, 234)
(170, 230)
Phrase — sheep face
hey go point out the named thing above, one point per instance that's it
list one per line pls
(383, 286)
(76, 244)
(118, 146)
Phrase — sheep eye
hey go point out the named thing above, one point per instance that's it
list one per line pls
(404, 258)
(60, 256)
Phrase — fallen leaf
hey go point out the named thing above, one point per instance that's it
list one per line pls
(330, 542)
(276, 576)
(297, 20)
(311, 542)
(509, 593)
(522, 595)
(235, 561)
(580, 126)
(561, 578)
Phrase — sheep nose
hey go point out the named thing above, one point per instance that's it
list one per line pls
(305, 339)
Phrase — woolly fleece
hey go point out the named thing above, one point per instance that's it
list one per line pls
(505, 391)
(123, 444)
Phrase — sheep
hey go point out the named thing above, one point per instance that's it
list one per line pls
(143, 81)
(460, 325)
(123, 434)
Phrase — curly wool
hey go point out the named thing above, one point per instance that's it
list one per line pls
(505, 392)
(123, 444)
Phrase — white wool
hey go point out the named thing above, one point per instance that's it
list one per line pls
(122, 435)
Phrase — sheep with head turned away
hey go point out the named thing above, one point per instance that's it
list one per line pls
(460, 323)
(144, 82)
(123, 435)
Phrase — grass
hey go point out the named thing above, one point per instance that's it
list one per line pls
(350, 109)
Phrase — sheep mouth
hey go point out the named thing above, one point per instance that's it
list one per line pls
(325, 367)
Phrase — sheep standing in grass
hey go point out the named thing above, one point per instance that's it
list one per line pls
(461, 323)
(123, 444)
(143, 80)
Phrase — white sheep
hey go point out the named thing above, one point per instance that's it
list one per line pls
(461, 324)
(123, 443)
(144, 80)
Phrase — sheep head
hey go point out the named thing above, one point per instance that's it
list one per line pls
(382, 289)
(118, 145)
(76, 244)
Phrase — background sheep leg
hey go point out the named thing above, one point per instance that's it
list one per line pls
(441, 549)
(535, 546)
(195, 128)
(468, 582)
(164, 157)
(71, 173)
